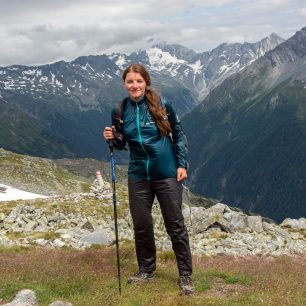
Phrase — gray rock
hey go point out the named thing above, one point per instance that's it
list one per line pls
(2, 216)
(58, 243)
(205, 218)
(99, 236)
(30, 226)
(3, 189)
(294, 223)
(236, 221)
(255, 223)
(42, 228)
(42, 220)
(14, 214)
(24, 297)
(4, 240)
(87, 225)
(28, 209)
(41, 242)
(60, 303)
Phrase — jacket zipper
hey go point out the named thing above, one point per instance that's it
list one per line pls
(140, 140)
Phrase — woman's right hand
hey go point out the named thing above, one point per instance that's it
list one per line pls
(108, 133)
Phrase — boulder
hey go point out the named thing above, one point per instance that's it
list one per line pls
(294, 223)
(100, 236)
(24, 297)
(60, 303)
(255, 223)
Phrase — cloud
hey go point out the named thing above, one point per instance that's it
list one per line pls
(36, 32)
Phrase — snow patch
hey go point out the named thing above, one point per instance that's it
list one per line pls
(161, 60)
(58, 83)
(121, 62)
(11, 194)
(197, 67)
(44, 79)
(29, 72)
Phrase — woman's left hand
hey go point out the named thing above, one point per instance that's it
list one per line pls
(181, 174)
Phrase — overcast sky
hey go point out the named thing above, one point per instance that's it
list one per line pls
(44, 31)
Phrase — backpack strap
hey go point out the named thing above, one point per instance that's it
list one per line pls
(118, 115)
(117, 121)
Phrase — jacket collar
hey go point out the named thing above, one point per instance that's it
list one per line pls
(138, 103)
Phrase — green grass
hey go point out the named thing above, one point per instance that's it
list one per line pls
(90, 278)
(50, 235)
(86, 206)
(44, 174)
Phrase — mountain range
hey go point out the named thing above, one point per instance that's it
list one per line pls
(252, 130)
(233, 100)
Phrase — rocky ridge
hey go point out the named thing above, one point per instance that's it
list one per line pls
(82, 220)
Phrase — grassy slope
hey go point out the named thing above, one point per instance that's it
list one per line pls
(38, 175)
(89, 278)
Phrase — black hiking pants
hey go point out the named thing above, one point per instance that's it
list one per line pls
(169, 196)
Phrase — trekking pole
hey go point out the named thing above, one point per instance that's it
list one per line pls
(111, 147)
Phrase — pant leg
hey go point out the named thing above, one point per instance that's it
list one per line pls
(169, 195)
(141, 197)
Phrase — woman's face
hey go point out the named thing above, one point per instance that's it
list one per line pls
(135, 85)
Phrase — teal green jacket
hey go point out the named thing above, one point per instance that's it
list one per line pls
(152, 156)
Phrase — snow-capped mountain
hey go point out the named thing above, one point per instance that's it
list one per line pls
(200, 72)
(59, 109)
(85, 79)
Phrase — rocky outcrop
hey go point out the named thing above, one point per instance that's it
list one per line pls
(27, 297)
(24, 297)
(294, 223)
(217, 230)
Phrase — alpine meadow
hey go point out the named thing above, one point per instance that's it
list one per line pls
(242, 107)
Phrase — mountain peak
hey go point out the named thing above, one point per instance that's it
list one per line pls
(274, 38)
(176, 50)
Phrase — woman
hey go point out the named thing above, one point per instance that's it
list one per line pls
(157, 167)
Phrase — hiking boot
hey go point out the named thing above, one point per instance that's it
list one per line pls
(186, 285)
(140, 277)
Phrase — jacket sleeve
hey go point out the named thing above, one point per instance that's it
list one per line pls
(120, 140)
(178, 138)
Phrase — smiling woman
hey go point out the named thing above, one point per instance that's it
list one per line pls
(157, 167)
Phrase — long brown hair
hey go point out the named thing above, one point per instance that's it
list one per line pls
(152, 98)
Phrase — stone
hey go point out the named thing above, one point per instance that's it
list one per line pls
(2, 217)
(60, 303)
(294, 223)
(255, 223)
(41, 242)
(99, 236)
(58, 243)
(87, 225)
(207, 219)
(4, 240)
(24, 297)
(30, 226)
(236, 221)
(42, 228)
